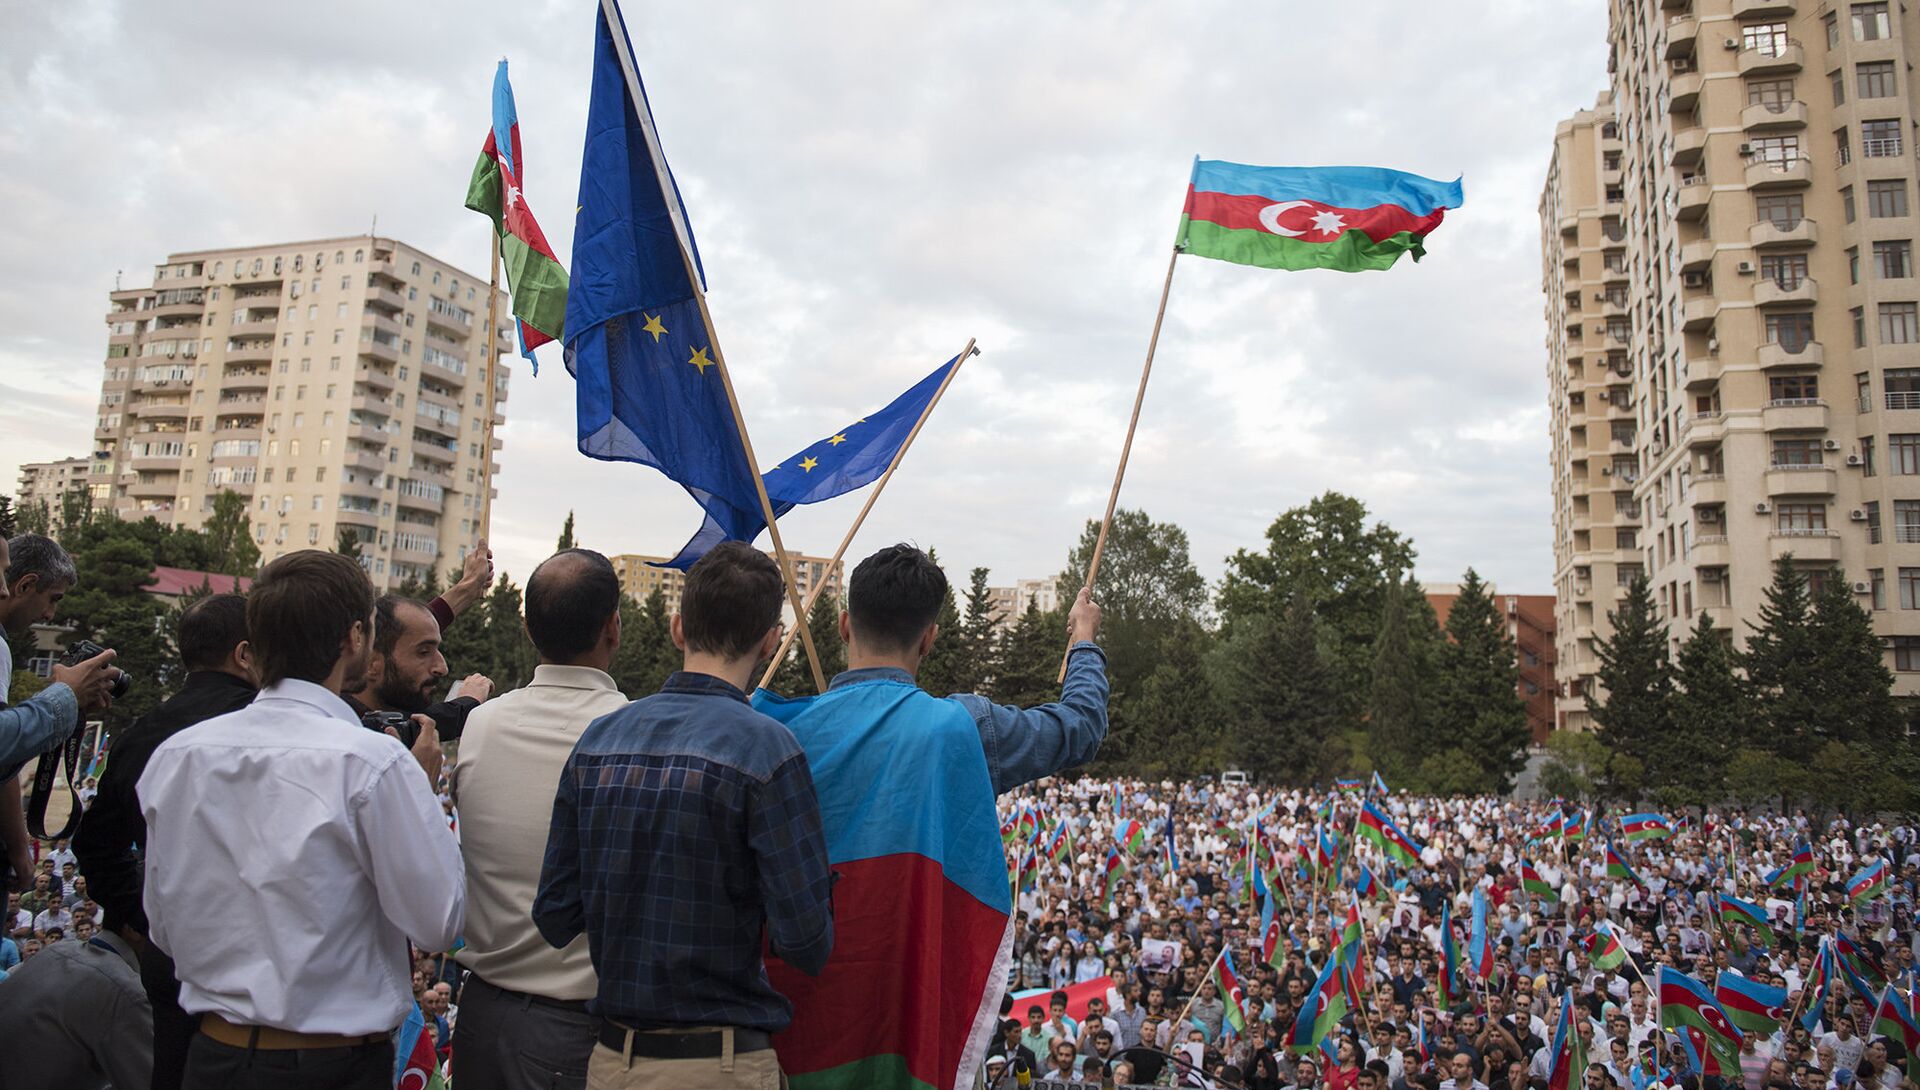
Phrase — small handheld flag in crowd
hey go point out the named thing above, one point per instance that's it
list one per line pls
(1649, 826)
(496, 190)
(1686, 1003)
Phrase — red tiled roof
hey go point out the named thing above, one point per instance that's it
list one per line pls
(178, 582)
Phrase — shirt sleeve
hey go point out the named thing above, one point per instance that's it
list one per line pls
(126, 1045)
(1024, 744)
(450, 716)
(442, 612)
(37, 725)
(783, 829)
(415, 859)
(558, 912)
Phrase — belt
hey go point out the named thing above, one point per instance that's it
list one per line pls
(268, 1039)
(571, 1006)
(691, 1045)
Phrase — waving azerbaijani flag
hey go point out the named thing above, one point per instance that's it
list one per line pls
(1131, 835)
(1351, 786)
(1604, 949)
(1366, 885)
(1480, 945)
(1685, 1002)
(1379, 785)
(1342, 218)
(1617, 866)
(1232, 996)
(1734, 911)
(1753, 1006)
(1648, 826)
(1858, 962)
(1895, 1018)
(1376, 826)
(534, 274)
(1531, 882)
(1320, 1010)
(1057, 843)
(1270, 948)
(1450, 953)
(1553, 828)
(1871, 882)
(1578, 827)
(1796, 870)
(416, 1065)
(1569, 1052)
(1819, 983)
(1116, 867)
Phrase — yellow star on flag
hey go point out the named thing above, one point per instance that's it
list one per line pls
(807, 464)
(654, 327)
(699, 360)
(837, 440)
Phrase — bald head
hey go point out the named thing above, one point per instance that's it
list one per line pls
(573, 609)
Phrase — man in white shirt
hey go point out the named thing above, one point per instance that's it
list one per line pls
(526, 1024)
(320, 840)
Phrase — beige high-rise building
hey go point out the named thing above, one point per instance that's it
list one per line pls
(48, 484)
(1009, 603)
(639, 578)
(1742, 274)
(334, 383)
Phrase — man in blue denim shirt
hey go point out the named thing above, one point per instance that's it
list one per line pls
(685, 825)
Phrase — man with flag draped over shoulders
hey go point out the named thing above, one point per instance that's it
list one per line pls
(907, 783)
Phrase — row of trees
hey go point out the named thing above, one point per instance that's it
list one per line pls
(1804, 714)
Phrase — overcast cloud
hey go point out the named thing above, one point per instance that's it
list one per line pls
(872, 184)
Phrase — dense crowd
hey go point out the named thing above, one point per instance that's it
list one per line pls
(1129, 894)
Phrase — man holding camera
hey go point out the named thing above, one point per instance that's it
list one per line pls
(323, 838)
(38, 574)
(404, 670)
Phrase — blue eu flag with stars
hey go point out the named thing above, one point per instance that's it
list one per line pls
(648, 389)
(837, 464)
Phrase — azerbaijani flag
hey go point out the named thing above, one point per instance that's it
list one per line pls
(1349, 786)
(1320, 1010)
(1553, 828)
(1116, 866)
(1057, 843)
(1732, 910)
(1451, 979)
(1366, 885)
(1617, 866)
(1577, 828)
(1871, 882)
(1173, 857)
(1895, 1018)
(538, 282)
(1132, 835)
(416, 1066)
(1647, 826)
(1376, 826)
(1531, 881)
(907, 806)
(1685, 1002)
(1342, 218)
(1479, 943)
(1858, 961)
(1818, 984)
(1569, 1052)
(1232, 995)
(1753, 1006)
(1604, 949)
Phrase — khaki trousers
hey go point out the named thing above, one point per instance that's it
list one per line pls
(758, 1070)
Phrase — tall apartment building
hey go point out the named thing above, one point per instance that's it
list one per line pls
(639, 578)
(1008, 603)
(1758, 310)
(334, 383)
(48, 484)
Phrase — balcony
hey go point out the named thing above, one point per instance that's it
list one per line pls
(260, 351)
(246, 379)
(1688, 146)
(363, 489)
(1570, 224)
(1706, 429)
(1769, 234)
(1683, 31)
(1710, 551)
(1903, 399)
(1697, 255)
(152, 490)
(376, 350)
(1683, 92)
(1792, 173)
(1698, 314)
(1743, 9)
(387, 299)
(1888, 148)
(1703, 370)
(177, 310)
(353, 516)
(435, 424)
(1773, 291)
(1794, 414)
(370, 405)
(441, 373)
(1802, 354)
(1801, 480)
(1709, 489)
(1772, 59)
(366, 431)
(362, 458)
(1693, 198)
(1762, 116)
(263, 327)
(434, 452)
(158, 410)
(1804, 544)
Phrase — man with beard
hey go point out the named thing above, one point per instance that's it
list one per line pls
(321, 840)
(407, 666)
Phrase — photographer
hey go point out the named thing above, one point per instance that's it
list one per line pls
(407, 666)
(113, 835)
(322, 838)
(38, 575)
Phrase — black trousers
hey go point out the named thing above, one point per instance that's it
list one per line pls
(214, 1066)
(508, 1040)
(173, 1028)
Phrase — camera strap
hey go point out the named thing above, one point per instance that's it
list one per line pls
(42, 791)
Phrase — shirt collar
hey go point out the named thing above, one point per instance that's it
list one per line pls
(118, 945)
(318, 697)
(865, 674)
(572, 677)
(696, 684)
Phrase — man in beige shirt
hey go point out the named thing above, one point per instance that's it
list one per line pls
(523, 1013)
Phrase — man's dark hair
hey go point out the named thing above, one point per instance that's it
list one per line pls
(210, 629)
(894, 595)
(37, 554)
(569, 598)
(301, 608)
(1057, 997)
(731, 597)
(387, 625)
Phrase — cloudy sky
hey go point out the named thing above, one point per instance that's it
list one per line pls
(872, 184)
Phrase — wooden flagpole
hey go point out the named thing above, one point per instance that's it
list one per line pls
(1126, 448)
(486, 385)
(813, 595)
(670, 194)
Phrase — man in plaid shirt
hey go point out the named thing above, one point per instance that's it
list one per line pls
(685, 826)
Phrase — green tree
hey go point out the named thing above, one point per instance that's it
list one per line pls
(1856, 688)
(1401, 683)
(9, 518)
(646, 654)
(1783, 663)
(1576, 766)
(1452, 771)
(566, 535)
(794, 677)
(510, 655)
(1147, 584)
(977, 635)
(110, 606)
(1755, 776)
(34, 518)
(1709, 718)
(228, 532)
(1480, 711)
(1636, 678)
(1276, 687)
(347, 542)
(1026, 670)
(1173, 726)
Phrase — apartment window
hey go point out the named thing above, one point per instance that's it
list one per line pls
(1880, 139)
(1832, 23)
(1769, 39)
(1903, 455)
(1887, 198)
(1853, 264)
(1859, 326)
(1781, 150)
(1803, 518)
(1870, 22)
(1846, 202)
(1774, 93)
(1867, 468)
(1877, 580)
(1893, 259)
(1906, 521)
(1873, 522)
(1906, 653)
(1899, 324)
(1786, 270)
(1876, 79)
(1793, 331)
(1839, 88)
(1794, 388)
(1801, 452)
(1783, 211)
(416, 268)
(1909, 588)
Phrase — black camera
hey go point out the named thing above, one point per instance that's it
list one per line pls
(86, 649)
(402, 724)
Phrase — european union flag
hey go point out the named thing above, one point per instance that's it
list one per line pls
(837, 464)
(648, 389)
